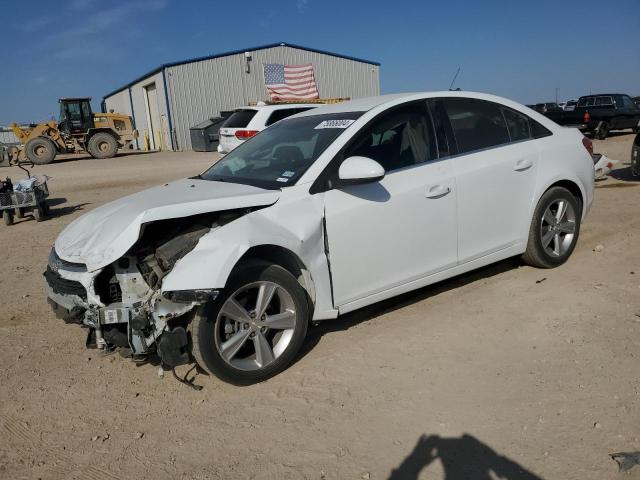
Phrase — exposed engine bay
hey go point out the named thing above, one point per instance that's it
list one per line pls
(123, 304)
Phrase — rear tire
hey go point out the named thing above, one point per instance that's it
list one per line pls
(602, 131)
(40, 150)
(213, 331)
(553, 235)
(102, 145)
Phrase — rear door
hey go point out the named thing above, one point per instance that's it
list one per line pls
(495, 175)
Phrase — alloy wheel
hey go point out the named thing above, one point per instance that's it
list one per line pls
(558, 227)
(255, 325)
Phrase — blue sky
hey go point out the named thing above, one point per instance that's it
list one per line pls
(523, 50)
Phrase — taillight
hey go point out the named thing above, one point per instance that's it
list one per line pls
(244, 134)
(588, 144)
(587, 117)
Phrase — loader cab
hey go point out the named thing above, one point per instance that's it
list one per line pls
(75, 115)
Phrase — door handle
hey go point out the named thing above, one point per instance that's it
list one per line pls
(523, 164)
(437, 191)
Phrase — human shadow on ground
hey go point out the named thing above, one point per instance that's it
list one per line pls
(462, 458)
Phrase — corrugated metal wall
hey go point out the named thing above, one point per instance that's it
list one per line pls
(7, 136)
(121, 103)
(200, 90)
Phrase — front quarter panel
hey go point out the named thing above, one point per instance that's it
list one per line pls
(295, 222)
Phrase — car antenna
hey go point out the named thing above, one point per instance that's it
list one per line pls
(454, 80)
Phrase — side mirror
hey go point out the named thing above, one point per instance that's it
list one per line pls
(357, 170)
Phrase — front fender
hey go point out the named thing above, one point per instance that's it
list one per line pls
(210, 263)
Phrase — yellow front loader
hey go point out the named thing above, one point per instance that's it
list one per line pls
(78, 130)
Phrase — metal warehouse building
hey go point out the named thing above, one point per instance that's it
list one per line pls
(167, 101)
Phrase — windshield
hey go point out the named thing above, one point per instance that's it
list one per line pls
(279, 155)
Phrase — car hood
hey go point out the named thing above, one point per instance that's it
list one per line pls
(103, 235)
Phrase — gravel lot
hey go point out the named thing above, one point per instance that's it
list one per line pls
(527, 373)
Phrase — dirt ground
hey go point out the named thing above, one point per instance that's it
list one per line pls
(521, 372)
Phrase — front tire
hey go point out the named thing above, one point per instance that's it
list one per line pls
(554, 230)
(254, 329)
(102, 145)
(40, 150)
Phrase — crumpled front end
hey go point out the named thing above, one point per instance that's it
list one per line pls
(123, 304)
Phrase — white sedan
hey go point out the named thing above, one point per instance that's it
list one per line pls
(322, 213)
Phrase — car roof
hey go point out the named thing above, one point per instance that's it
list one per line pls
(602, 95)
(369, 103)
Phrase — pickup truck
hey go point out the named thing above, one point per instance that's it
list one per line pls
(599, 114)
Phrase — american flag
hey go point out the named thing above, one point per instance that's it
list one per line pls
(290, 82)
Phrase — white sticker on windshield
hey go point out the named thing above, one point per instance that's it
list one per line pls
(288, 173)
(334, 124)
(281, 179)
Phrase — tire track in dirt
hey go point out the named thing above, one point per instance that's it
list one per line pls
(16, 433)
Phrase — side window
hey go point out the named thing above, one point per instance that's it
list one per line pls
(537, 130)
(476, 124)
(278, 115)
(85, 111)
(517, 124)
(587, 101)
(397, 139)
(74, 111)
(604, 101)
(440, 125)
(627, 102)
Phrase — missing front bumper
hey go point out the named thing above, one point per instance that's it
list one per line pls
(75, 314)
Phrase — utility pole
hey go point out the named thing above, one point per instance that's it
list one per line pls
(556, 95)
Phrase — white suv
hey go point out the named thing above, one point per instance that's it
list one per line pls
(245, 122)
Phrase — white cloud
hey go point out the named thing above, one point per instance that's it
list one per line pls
(35, 24)
(107, 18)
(82, 5)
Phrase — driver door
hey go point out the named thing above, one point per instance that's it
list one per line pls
(385, 234)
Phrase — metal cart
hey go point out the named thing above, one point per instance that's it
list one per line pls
(32, 202)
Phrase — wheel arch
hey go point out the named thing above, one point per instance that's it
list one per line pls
(284, 258)
(571, 185)
(92, 131)
(55, 144)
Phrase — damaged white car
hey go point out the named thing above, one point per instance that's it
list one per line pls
(318, 215)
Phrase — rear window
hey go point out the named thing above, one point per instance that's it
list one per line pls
(239, 119)
(278, 115)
